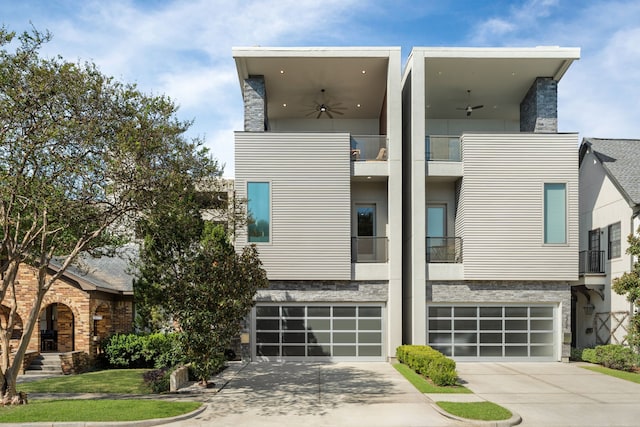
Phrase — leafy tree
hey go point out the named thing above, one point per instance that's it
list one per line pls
(629, 284)
(82, 158)
(211, 286)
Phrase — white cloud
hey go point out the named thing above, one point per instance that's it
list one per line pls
(517, 18)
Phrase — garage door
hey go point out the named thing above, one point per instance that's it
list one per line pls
(519, 332)
(318, 332)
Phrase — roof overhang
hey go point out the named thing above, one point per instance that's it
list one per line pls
(498, 78)
(355, 78)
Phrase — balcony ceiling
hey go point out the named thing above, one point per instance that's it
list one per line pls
(498, 79)
(351, 80)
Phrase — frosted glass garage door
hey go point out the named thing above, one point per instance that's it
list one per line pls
(492, 332)
(318, 331)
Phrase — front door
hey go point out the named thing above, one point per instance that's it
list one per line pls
(593, 255)
(366, 231)
(436, 233)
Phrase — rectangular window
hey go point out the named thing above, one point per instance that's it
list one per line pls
(555, 213)
(614, 240)
(259, 208)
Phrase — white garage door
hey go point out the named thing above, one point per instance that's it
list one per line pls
(518, 332)
(324, 332)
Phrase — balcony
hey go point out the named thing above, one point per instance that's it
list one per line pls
(591, 262)
(444, 250)
(369, 249)
(368, 147)
(442, 148)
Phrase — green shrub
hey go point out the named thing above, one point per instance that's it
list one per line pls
(443, 371)
(428, 362)
(576, 354)
(124, 351)
(156, 350)
(616, 356)
(158, 380)
(162, 350)
(589, 355)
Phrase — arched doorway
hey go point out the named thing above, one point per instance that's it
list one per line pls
(57, 332)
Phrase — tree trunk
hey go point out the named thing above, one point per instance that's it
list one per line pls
(10, 373)
(4, 359)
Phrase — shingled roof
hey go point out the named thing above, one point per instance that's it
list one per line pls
(107, 273)
(621, 159)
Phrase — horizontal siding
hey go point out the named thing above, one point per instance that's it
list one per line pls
(310, 189)
(501, 206)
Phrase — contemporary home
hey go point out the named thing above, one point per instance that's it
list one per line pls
(491, 203)
(609, 208)
(437, 207)
(320, 162)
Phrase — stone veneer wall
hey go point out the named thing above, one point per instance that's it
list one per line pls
(539, 108)
(324, 291)
(255, 104)
(508, 292)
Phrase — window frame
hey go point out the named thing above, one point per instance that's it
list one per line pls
(270, 210)
(610, 251)
(545, 229)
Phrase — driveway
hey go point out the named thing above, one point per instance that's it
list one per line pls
(555, 394)
(316, 394)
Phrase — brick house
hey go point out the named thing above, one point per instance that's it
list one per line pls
(92, 301)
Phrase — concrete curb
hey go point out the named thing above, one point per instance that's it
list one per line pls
(514, 420)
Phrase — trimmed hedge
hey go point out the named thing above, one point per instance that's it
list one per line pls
(612, 356)
(156, 350)
(428, 362)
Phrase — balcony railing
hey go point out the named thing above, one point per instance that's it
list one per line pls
(369, 147)
(369, 249)
(442, 148)
(444, 249)
(591, 262)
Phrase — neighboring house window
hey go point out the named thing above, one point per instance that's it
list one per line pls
(259, 208)
(614, 240)
(555, 213)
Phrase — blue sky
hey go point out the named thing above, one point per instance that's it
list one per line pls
(182, 48)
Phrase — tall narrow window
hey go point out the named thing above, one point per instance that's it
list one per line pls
(614, 240)
(259, 207)
(555, 213)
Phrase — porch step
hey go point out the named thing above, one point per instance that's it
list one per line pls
(45, 364)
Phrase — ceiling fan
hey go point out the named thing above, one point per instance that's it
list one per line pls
(469, 109)
(325, 107)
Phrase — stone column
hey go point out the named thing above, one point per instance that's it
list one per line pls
(255, 104)
(539, 108)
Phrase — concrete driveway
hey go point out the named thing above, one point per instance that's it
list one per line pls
(555, 394)
(316, 394)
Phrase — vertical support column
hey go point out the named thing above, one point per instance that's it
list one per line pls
(539, 108)
(255, 104)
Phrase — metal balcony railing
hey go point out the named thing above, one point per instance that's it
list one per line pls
(369, 249)
(444, 249)
(442, 148)
(369, 147)
(591, 262)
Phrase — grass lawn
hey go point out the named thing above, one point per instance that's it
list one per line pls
(122, 381)
(486, 411)
(423, 385)
(629, 376)
(94, 410)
